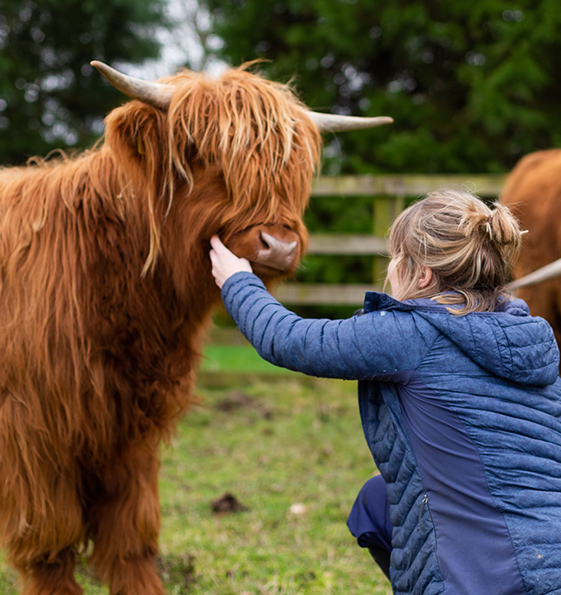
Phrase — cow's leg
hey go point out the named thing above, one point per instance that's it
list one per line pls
(52, 576)
(43, 548)
(125, 525)
(40, 512)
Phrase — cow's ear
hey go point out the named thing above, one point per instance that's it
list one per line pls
(137, 133)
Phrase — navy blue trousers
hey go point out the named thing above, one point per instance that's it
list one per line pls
(369, 522)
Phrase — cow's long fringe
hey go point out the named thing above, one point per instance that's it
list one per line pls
(254, 131)
(105, 290)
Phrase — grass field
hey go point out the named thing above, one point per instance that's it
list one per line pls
(271, 443)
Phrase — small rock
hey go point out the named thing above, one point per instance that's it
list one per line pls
(298, 509)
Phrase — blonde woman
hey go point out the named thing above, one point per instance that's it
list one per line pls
(459, 396)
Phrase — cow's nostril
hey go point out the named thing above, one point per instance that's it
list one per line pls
(265, 240)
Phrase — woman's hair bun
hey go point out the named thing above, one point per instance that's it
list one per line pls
(496, 223)
(503, 228)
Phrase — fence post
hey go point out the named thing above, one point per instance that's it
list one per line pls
(384, 210)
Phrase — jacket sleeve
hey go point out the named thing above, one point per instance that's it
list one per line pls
(359, 348)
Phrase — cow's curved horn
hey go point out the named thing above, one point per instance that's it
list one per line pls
(337, 123)
(553, 269)
(155, 94)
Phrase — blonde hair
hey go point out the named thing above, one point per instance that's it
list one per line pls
(469, 248)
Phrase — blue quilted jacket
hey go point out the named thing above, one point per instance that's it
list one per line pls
(463, 418)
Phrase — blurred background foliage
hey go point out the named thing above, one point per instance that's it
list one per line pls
(48, 96)
(472, 86)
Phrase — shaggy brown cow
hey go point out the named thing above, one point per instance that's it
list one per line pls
(533, 192)
(105, 291)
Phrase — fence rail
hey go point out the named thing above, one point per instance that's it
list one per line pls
(347, 244)
(388, 194)
(487, 185)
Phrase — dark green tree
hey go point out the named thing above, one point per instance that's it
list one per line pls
(49, 95)
(472, 86)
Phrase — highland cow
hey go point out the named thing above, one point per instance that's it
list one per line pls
(533, 192)
(105, 292)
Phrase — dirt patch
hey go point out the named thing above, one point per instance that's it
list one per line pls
(227, 504)
(236, 400)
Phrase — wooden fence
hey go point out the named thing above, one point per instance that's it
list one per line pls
(388, 193)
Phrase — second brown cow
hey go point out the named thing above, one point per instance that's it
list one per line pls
(533, 192)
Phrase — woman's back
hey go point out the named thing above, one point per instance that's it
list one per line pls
(487, 450)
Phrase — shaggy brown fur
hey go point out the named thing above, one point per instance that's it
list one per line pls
(533, 192)
(105, 291)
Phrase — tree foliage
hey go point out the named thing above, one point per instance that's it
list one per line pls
(472, 86)
(49, 95)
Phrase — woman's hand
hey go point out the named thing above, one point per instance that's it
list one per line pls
(225, 263)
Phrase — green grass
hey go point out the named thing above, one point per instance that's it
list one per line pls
(271, 444)
(238, 358)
